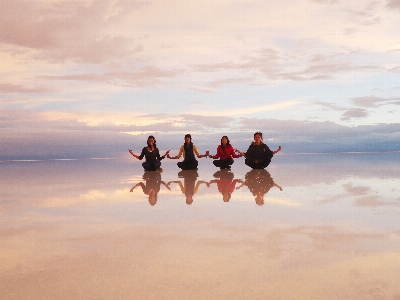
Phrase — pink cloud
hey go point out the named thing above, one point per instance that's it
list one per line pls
(6, 88)
(67, 30)
(393, 4)
(145, 76)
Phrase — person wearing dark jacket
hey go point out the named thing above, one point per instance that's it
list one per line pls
(258, 155)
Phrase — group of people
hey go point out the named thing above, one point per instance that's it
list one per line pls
(257, 156)
(258, 181)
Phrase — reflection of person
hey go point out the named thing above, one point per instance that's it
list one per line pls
(188, 150)
(152, 186)
(225, 153)
(189, 186)
(259, 183)
(258, 155)
(226, 183)
(152, 155)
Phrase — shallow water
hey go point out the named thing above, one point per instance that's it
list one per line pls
(320, 226)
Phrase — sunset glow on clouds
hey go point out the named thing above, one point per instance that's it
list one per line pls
(92, 73)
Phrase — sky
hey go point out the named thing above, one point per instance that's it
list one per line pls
(94, 78)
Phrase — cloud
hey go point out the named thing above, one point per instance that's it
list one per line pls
(277, 64)
(393, 4)
(331, 2)
(6, 88)
(104, 49)
(254, 109)
(94, 134)
(120, 69)
(354, 113)
(374, 201)
(142, 77)
(67, 30)
(356, 190)
(348, 113)
(372, 101)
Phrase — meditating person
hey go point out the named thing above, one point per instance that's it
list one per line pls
(225, 154)
(189, 186)
(189, 151)
(258, 155)
(259, 182)
(151, 185)
(152, 155)
(226, 183)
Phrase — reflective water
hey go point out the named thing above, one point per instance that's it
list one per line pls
(308, 227)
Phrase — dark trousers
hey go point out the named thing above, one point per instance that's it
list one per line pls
(151, 166)
(257, 165)
(223, 163)
(188, 165)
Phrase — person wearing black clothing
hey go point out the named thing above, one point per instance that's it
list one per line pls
(151, 185)
(258, 155)
(259, 183)
(152, 155)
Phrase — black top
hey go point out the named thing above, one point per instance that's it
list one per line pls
(259, 153)
(259, 181)
(189, 155)
(153, 182)
(151, 156)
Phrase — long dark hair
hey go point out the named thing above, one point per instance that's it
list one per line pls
(228, 143)
(152, 137)
(258, 133)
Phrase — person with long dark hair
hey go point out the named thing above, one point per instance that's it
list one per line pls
(152, 155)
(189, 151)
(258, 155)
(151, 185)
(226, 183)
(225, 154)
(189, 187)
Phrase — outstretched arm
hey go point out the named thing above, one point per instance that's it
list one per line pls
(277, 150)
(205, 182)
(278, 186)
(133, 154)
(136, 185)
(216, 156)
(199, 182)
(165, 184)
(166, 154)
(179, 183)
(198, 154)
(240, 152)
(177, 156)
(244, 183)
(162, 157)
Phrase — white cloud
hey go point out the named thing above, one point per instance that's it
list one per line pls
(115, 66)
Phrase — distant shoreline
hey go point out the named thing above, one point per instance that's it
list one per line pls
(116, 158)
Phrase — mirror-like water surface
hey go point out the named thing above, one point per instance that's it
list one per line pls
(307, 227)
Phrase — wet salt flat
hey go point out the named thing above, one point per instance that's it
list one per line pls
(317, 226)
